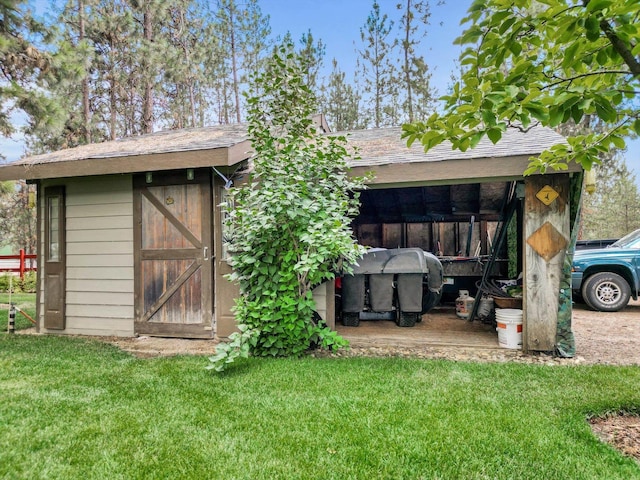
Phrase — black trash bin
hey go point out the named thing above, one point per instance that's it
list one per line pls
(391, 284)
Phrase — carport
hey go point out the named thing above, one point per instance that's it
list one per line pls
(453, 204)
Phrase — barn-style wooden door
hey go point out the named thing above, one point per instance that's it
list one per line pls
(173, 255)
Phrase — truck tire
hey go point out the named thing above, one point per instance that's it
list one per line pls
(606, 292)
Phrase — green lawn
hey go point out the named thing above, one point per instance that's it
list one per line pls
(24, 301)
(74, 408)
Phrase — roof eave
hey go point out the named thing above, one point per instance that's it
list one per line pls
(217, 157)
(471, 170)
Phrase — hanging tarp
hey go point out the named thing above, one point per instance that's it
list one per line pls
(565, 341)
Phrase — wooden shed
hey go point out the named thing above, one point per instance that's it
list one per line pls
(130, 237)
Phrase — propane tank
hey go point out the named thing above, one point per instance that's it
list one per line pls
(464, 304)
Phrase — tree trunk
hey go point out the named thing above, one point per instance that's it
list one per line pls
(86, 111)
(407, 72)
(192, 101)
(234, 65)
(113, 101)
(147, 101)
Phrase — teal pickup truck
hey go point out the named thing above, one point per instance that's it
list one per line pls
(606, 278)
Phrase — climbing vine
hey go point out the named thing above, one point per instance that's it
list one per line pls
(289, 229)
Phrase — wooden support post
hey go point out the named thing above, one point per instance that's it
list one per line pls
(546, 236)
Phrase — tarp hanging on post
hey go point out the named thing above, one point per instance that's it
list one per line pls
(565, 340)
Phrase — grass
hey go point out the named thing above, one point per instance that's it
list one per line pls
(24, 301)
(75, 408)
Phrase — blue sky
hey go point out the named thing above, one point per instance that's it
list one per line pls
(337, 23)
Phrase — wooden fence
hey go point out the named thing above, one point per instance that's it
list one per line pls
(20, 263)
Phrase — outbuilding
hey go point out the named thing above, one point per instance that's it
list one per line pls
(131, 243)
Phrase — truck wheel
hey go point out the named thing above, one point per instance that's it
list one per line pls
(606, 292)
(576, 296)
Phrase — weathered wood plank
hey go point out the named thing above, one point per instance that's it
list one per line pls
(419, 235)
(369, 234)
(545, 226)
(172, 242)
(392, 235)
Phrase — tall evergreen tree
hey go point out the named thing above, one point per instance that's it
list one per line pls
(189, 34)
(26, 71)
(312, 57)
(111, 32)
(614, 208)
(418, 95)
(376, 66)
(244, 31)
(340, 102)
(18, 215)
(77, 105)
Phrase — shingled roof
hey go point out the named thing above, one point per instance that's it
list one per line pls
(383, 146)
(228, 145)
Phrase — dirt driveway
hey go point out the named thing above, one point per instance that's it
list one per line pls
(608, 338)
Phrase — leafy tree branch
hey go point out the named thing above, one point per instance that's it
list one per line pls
(542, 62)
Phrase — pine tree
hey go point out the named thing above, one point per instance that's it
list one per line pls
(340, 102)
(243, 32)
(613, 210)
(18, 215)
(111, 31)
(312, 57)
(185, 79)
(77, 105)
(27, 70)
(376, 67)
(418, 95)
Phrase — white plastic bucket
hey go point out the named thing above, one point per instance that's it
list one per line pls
(509, 327)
